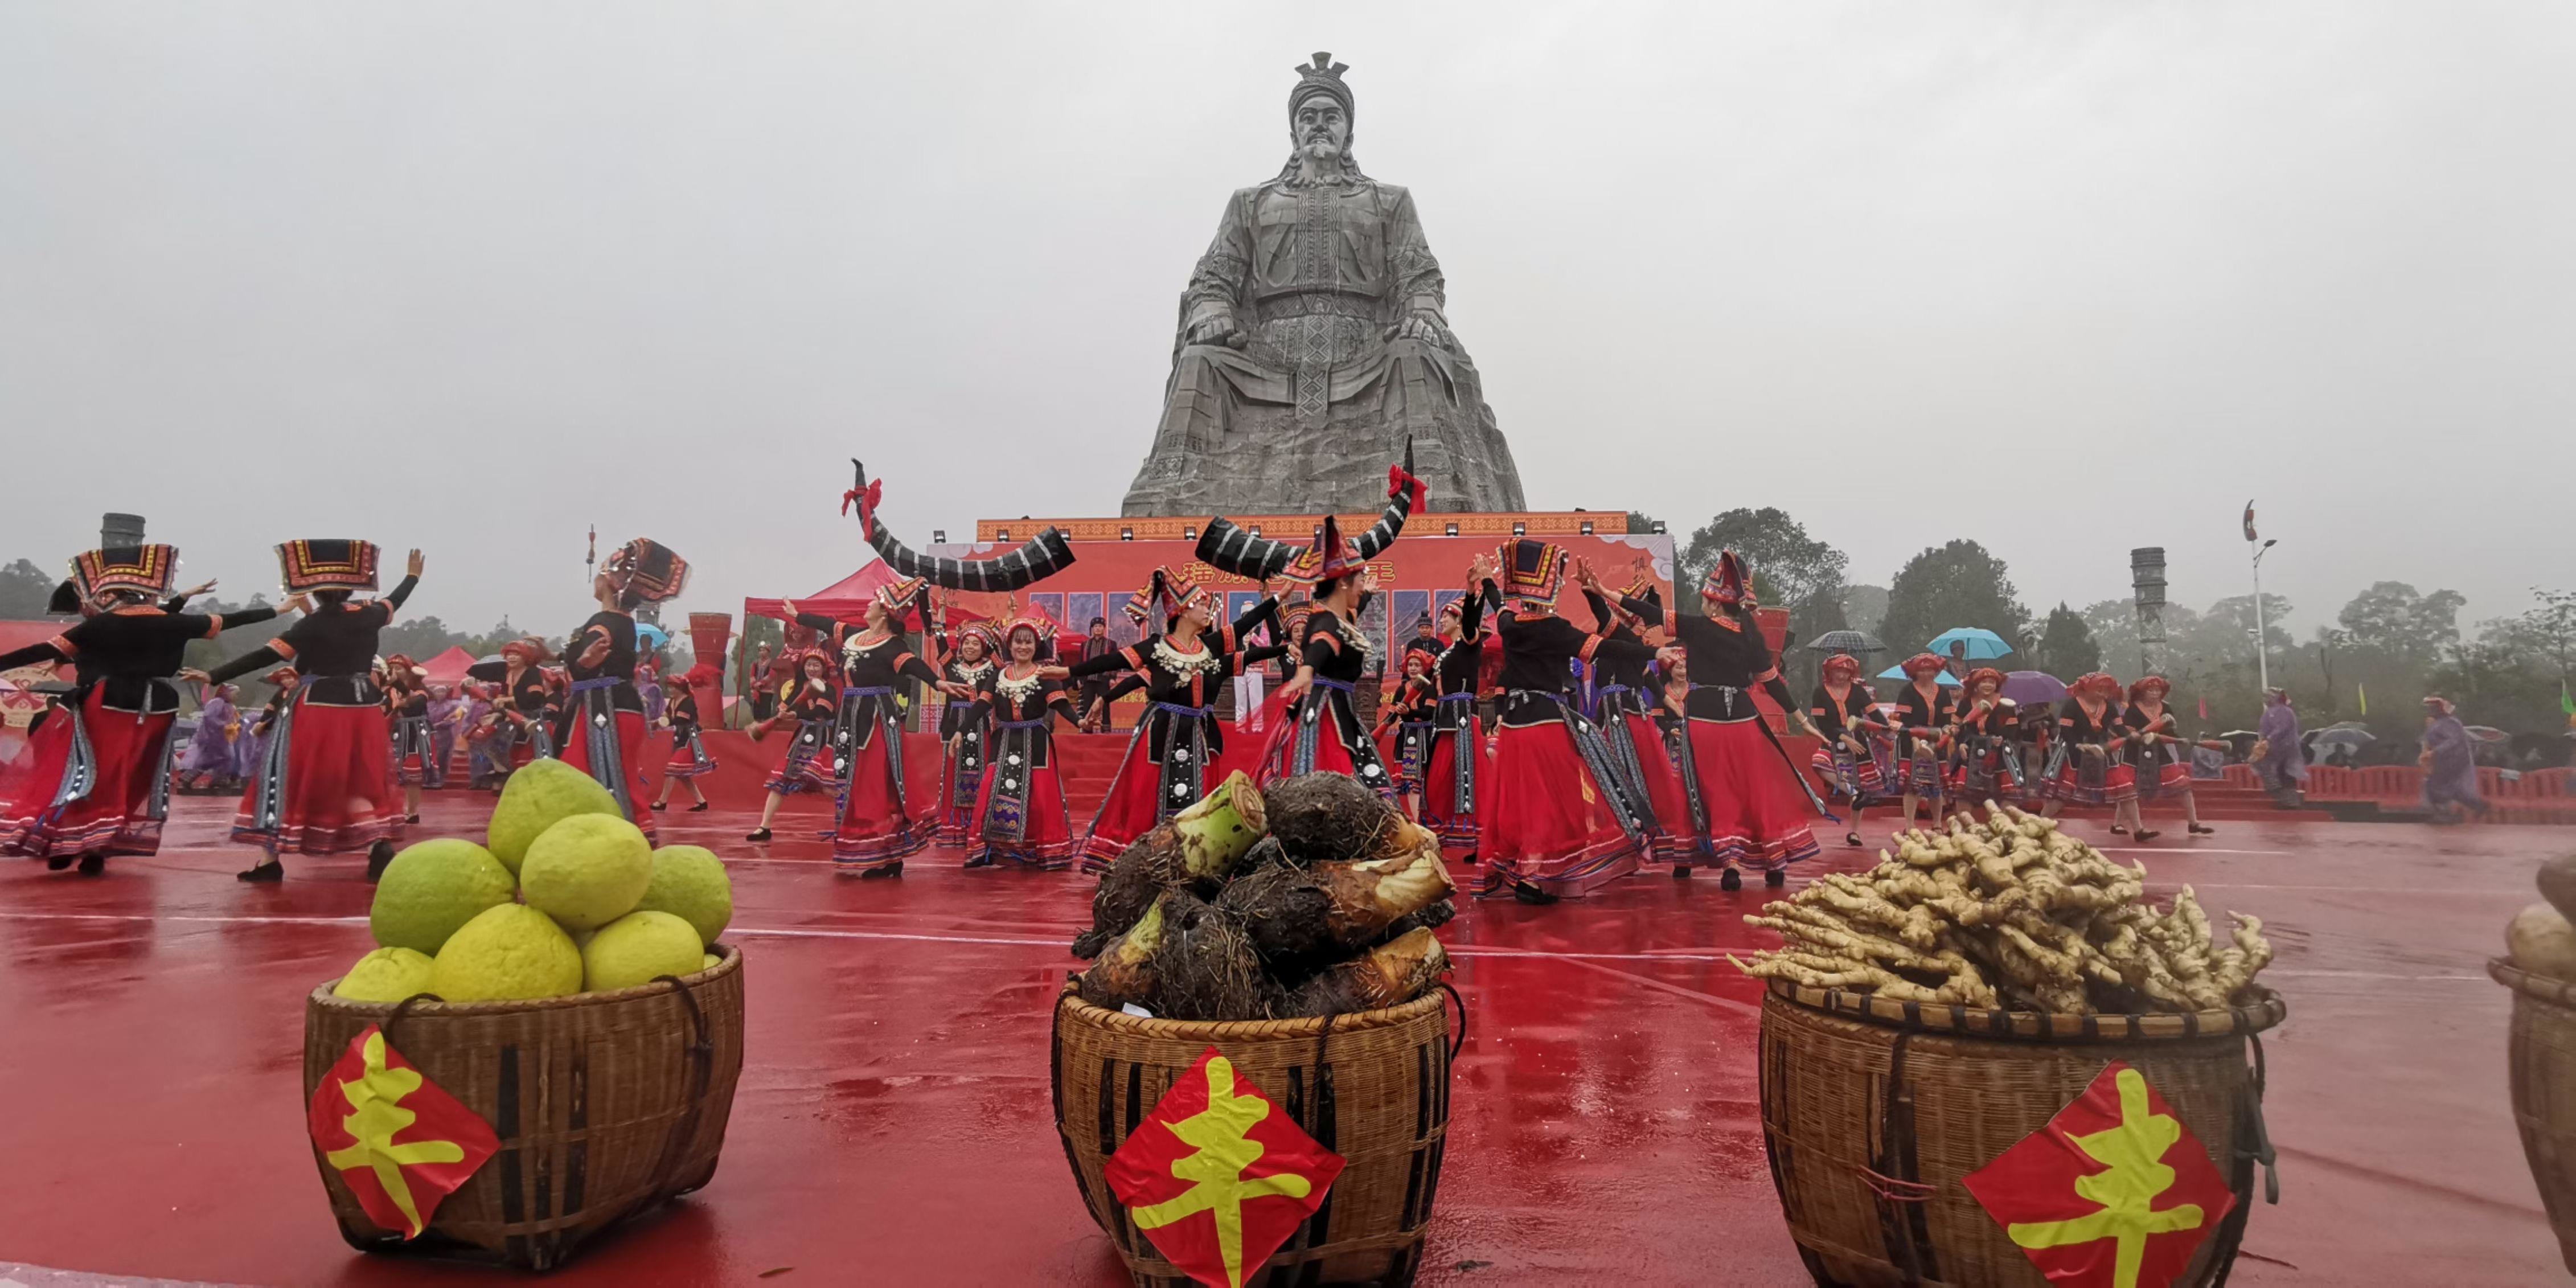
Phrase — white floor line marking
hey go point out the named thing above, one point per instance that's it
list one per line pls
(2177, 849)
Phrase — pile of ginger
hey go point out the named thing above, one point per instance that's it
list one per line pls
(2011, 913)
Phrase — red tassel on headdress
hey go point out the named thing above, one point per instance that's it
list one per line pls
(1399, 479)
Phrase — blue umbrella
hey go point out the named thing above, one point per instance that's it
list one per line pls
(1982, 644)
(651, 637)
(1898, 673)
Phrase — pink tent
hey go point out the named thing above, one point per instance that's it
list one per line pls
(448, 667)
(844, 600)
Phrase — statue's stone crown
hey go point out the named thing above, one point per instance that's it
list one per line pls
(1323, 77)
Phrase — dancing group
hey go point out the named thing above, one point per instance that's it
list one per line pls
(344, 746)
(1969, 742)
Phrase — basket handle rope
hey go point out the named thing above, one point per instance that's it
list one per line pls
(401, 1012)
(1457, 1039)
(701, 1055)
(2262, 1152)
(1901, 1217)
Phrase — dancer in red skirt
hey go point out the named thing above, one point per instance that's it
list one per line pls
(99, 783)
(1988, 741)
(877, 827)
(2161, 757)
(1403, 730)
(1176, 744)
(2086, 766)
(1321, 730)
(806, 766)
(969, 663)
(1652, 786)
(407, 712)
(1551, 823)
(1748, 803)
(1845, 712)
(1457, 751)
(601, 731)
(1926, 716)
(523, 710)
(1019, 806)
(325, 783)
(689, 759)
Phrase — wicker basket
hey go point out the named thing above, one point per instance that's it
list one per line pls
(2541, 1054)
(606, 1104)
(1372, 1086)
(1873, 1110)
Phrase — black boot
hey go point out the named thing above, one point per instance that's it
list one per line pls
(93, 864)
(1731, 880)
(269, 871)
(760, 835)
(1681, 872)
(1852, 839)
(378, 855)
(1527, 893)
(699, 808)
(61, 862)
(2200, 829)
(1776, 878)
(659, 806)
(894, 869)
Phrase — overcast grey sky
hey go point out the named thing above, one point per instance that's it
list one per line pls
(471, 276)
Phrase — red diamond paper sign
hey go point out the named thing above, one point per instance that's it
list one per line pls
(2113, 1193)
(1217, 1177)
(400, 1142)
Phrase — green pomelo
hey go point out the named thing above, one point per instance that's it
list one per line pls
(587, 870)
(434, 887)
(539, 795)
(385, 975)
(509, 953)
(636, 948)
(689, 882)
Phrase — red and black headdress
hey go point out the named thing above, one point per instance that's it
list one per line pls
(648, 570)
(1921, 664)
(2160, 684)
(144, 571)
(1533, 571)
(2102, 682)
(531, 650)
(1166, 593)
(988, 632)
(1729, 583)
(896, 597)
(1844, 663)
(1981, 675)
(327, 564)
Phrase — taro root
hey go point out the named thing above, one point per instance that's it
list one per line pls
(1126, 973)
(1298, 917)
(2558, 884)
(1200, 844)
(1389, 975)
(1430, 918)
(1331, 818)
(1205, 968)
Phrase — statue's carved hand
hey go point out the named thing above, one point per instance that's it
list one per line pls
(1422, 327)
(1216, 328)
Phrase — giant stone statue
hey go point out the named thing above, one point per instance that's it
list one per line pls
(1314, 344)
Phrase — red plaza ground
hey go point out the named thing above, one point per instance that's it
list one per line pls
(893, 1123)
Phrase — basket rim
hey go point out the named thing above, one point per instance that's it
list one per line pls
(2266, 1011)
(2543, 988)
(1071, 1003)
(321, 995)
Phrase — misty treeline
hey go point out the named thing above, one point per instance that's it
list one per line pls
(25, 589)
(2387, 647)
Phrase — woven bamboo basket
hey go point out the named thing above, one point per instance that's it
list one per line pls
(606, 1104)
(2540, 1054)
(1872, 1111)
(1372, 1086)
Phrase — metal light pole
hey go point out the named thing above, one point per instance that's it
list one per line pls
(2262, 654)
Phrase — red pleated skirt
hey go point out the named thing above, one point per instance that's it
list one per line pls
(1757, 814)
(631, 730)
(1046, 840)
(2109, 785)
(2168, 778)
(1664, 793)
(1454, 827)
(1545, 820)
(116, 816)
(1128, 811)
(876, 829)
(689, 759)
(340, 794)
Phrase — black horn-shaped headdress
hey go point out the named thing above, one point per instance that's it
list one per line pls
(1228, 548)
(1042, 556)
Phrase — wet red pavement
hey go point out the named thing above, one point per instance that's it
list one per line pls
(893, 1122)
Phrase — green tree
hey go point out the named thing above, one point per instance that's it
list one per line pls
(2065, 648)
(1959, 584)
(2400, 625)
(1864, 607)
(1791, 569)
(24, 588)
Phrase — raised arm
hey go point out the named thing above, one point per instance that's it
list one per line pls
(265, 655)
(1118, 659)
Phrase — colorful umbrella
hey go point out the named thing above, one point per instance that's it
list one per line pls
(2034, 688)
(1982, 644)
(1857, 643)
(1898, 673)
(650, 637)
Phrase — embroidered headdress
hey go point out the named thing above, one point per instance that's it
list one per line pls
(648, 570)
(327, 564)
(139, 570)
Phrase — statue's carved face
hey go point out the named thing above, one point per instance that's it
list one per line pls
(1320, 128)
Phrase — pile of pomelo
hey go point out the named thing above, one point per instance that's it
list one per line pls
(568, 897)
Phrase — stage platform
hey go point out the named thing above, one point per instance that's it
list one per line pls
(893, 1123)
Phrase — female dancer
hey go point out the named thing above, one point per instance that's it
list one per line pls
(407, 710)
(324, 783)
(1925, 713)
(877, 828)
(805, 767)
(2086, 767)
(1552, 825)
(1844, 712)
(1457, 735)
(1179, 737)
(523, 711)
(961, 731)
(1989, 740)
(1743, 809)
(2161, 758)
(1409, 712)
(601, 731)
(689, 759)
(1323, 732)
(1652, 784)
(100, 766)
(1019, 808)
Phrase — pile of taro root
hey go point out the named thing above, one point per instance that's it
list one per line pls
(1316, 897)
(2009, 912)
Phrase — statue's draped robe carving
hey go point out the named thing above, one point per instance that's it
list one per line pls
(1300, 410)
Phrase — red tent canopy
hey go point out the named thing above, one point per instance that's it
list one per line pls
(844, 600)
(448, 667)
